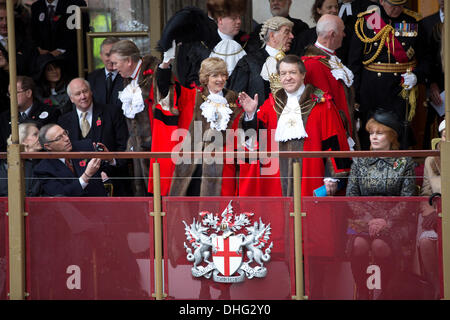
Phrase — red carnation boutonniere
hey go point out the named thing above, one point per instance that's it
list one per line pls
(245, 38)
(48, 102)
(83, 163)
(99, 122)
(148, 72)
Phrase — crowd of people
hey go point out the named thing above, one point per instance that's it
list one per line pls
(348, 83)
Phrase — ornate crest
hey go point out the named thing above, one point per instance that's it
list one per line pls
(228, 246)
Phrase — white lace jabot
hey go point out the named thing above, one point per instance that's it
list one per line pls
(132, 101)
(216, 111)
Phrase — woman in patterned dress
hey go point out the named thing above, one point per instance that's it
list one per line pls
(379, 228)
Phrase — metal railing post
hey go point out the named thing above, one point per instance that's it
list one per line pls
(157, 216)
(299, 276)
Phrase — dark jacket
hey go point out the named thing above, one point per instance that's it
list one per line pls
(57, 179)
(97, 80)
(32, 184)
(108, 127)
(39, 113)
(246, 76)
(51, 35)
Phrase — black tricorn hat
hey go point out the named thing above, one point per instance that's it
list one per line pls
(389, 119)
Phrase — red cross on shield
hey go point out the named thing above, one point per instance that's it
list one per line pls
(226, 258)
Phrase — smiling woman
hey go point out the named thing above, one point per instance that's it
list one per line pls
(201, 116)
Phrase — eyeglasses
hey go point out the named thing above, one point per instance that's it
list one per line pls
(20, 91)
(64, 134)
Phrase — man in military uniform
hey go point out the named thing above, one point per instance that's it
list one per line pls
(387, 57)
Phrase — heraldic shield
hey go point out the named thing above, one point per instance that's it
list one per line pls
(227, 254)
(237, 247)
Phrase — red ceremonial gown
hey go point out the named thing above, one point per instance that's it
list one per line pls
(318, 73)
(325, 131)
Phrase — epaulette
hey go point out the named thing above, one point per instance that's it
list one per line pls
(362, 14)
(413, 14)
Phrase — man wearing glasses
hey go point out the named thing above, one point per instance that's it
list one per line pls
(68, 177)
(30, 110)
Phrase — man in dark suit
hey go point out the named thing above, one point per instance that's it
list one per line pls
(98, 123)
(54, 29)
(65, 177)
(30, 110)
(24, 52)
(106, 82)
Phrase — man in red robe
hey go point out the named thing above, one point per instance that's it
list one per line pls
(297, 117)
(327, 72)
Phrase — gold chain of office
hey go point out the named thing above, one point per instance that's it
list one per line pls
(383, 35)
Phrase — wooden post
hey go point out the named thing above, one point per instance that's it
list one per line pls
(15, 177)
(156, 23)
(445, 166)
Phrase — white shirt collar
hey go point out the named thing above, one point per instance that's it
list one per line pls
(272, 51)
(27, 112)
(224, 36)
(297, 94)
(441, 14)
(89, 111)
(327, 50)
(135, 74)
(54, 3)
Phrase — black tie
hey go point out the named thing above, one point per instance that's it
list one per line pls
(22, 117)
(51, 12)
(109, 82)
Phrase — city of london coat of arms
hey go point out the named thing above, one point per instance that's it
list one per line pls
(228, 247)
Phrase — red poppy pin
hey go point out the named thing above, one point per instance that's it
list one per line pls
(148, 72)
(48, 102)
(56, 18)
(82, 163)
(245, 38)
(99, 122)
